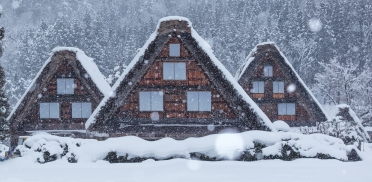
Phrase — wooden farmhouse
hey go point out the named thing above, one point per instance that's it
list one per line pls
(62, 96)
(175, 87)
(274, 85)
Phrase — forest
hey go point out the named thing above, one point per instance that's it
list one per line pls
(328, 42)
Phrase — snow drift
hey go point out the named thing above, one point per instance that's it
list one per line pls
(247, 146)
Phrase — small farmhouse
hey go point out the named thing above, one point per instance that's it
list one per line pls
(62, 96)
(175, 87)
(274, 85)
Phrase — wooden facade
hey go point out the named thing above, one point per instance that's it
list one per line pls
(26, 118)
(267, 56)
(122, 115)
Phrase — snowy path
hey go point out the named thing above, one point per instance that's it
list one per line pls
(180, 170)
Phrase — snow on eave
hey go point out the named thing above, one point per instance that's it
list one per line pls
(207, 49)
(87, 64)
(250, 59)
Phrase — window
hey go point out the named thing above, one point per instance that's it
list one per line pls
(174, 50)
(151, 101)
(199, 101)
(278, 87)
(81, 110)
(174, 71)
(65, 86)
(49, 110)
(258, 87)
(268, 71)
(287, 109)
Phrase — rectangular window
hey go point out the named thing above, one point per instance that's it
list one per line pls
(81, 110)
(174, 50)
(268, 71)
(199, 101)
(49, 110)
(151, 101)
(278, 87)
(258, 87)
(287, 109)
(65, 86)
(174, 71)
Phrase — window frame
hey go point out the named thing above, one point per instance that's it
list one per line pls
(81, 109)
(177, 50)
(151, 104)
(199, 101)
(276, 85)
(259, 83)
(64, 87)
(269, 72)
(174, 71)
(49, 110)
(287, 105)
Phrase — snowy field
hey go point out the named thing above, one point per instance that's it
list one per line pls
(180, 170)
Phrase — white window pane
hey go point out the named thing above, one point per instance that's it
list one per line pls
(69, 86)
(275, 87)
(86, 109)
(261, 87)
(54, 110)
(61, 86)
(145, 100)
(282, 109)
(268, 71)
(204, 101)
(180, 71)
(44, 110)
(280, 87)
(157, 101)
(76, 110)
(168, 71)
(255, 87)
(174, 49)
(192, 101)
(291, 109)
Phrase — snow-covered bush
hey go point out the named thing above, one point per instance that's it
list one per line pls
(281, 126)
(3, 150)
(246, 146)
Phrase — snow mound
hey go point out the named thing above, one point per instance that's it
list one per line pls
(3, 149)
(281, 126)
(249, 146)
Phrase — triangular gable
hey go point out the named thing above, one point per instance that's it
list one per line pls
(244, 108)
(269, 49)
(89, 77)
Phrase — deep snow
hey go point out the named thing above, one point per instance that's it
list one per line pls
(180, 170)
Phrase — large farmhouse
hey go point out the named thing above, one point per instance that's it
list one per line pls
(62, 96)
(175, 87)
(274, 85)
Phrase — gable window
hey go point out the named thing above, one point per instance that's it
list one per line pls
(286, 109)
(151, 101)
(174, 50)
(268, 71)
(278, 87)
(49, 110)
(81, 110)
(174, 71)
(258, 87)
(65, 86)
(199, 101)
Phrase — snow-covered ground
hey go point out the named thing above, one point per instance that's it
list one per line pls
(311, 170)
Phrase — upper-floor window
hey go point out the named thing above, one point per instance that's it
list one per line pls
(199, 101)
(268, 71)
(49, 110)
(258, 87)
(65, 86)
(174, 71)
(151, 101)
(286, 109)
(278, 87)
(174, 50)
(81, 110)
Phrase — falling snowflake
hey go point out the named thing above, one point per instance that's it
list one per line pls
(315, 25)
(291, 88)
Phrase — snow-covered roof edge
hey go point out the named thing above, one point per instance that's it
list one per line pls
(208, 50)
(250, 59)
(87, 63)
